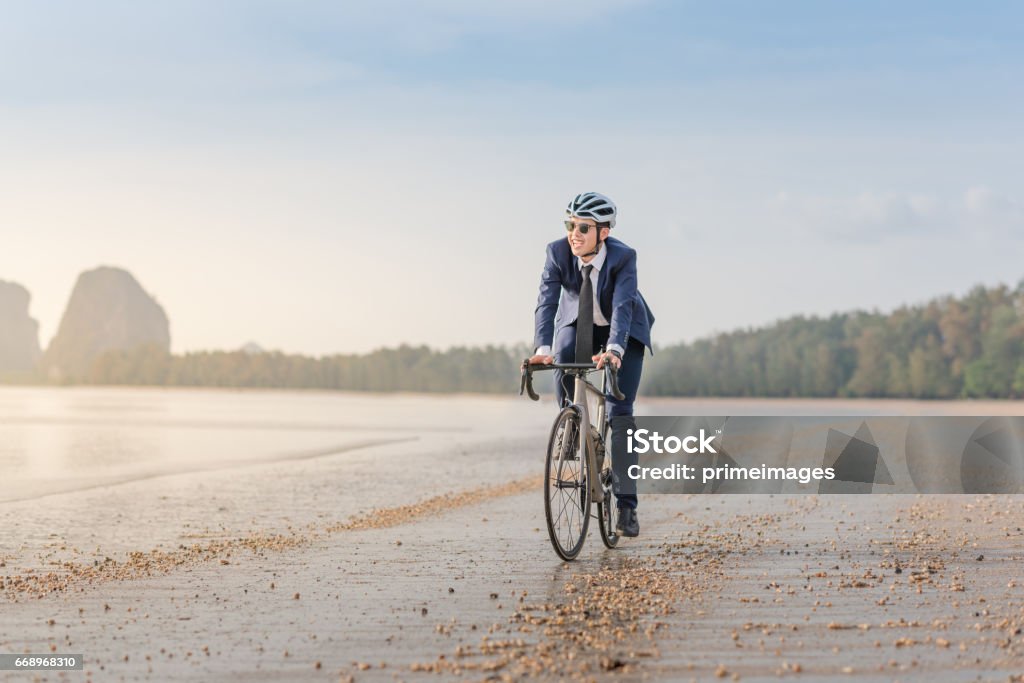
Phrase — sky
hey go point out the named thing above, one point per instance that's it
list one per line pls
(324, 177)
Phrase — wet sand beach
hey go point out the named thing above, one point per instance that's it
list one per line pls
(428, 560)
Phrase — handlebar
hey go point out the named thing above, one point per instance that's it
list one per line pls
(611, 374)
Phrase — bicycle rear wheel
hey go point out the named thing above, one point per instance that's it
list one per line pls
(607, 509)
(566, 488)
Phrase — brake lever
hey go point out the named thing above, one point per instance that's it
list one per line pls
(612, 373)
(526, 383)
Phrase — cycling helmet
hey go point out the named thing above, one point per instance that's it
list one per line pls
(593, 205)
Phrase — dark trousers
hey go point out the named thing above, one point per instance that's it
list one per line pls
(620, 412)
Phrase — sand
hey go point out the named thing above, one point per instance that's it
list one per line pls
(430, 561)
(744, 588)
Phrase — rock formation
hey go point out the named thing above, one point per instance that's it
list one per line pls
(19, 334)
(108, 311)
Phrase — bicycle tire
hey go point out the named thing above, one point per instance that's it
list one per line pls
(566, 488)
(607, 509)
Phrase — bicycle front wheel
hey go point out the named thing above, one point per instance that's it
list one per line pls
(566, 488)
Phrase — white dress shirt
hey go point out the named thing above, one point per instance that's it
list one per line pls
(597, 262)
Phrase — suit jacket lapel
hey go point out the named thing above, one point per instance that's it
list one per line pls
(577, 273)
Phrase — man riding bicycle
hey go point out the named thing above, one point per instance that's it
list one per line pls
(589, 310)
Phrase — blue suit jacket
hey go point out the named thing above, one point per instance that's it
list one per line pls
(620, 301)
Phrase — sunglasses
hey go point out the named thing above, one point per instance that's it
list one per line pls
(584, 228)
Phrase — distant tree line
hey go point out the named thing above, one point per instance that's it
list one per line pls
(489, 369)
(948, 348)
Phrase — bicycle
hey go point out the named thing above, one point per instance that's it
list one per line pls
(569, 490)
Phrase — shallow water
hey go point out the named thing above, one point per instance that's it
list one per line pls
(56, 440)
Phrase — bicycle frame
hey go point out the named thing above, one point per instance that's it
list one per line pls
(588, 449)
(609, 382)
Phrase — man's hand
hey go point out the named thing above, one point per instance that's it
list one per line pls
(607, 357)
(542, 360)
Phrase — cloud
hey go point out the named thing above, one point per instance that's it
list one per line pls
(871, 217)
(993, 212)
(868, 216)
(986, 203)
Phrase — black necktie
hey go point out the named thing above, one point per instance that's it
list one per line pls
(585, 319)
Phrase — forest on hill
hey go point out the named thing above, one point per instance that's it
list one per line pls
(948, 348)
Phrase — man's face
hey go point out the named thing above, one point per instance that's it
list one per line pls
(584, 244)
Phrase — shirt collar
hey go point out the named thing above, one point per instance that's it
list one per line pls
(597, 261)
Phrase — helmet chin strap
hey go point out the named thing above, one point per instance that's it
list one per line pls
(597, 245)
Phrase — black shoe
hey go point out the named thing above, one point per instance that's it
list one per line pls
(628, 523)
